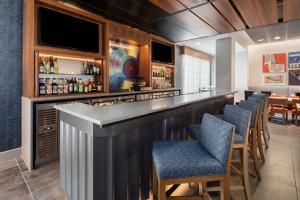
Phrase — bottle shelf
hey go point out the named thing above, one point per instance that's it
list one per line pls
(64, 75)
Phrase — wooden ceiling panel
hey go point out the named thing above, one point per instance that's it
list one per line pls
(291, 10)
(170, 6)
(258, 12)
(192, 23)
(192, 3)
(211, 16)
(229, 13)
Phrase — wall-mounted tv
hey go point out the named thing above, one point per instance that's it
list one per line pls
(162, 53)
(60, 30)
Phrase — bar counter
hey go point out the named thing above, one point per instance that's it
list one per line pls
(105, 153)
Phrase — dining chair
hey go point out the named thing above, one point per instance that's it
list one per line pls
(206, 159)
(260, 134)
(295, 111)
(278, 105)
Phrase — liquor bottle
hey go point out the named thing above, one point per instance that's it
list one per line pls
(97, 69)
(60, 86)
(80, 86)
(89, 85)
(42, 86)
(54, 87)
(99, 87)
(66, 86)
(94, 68)
(55, 66)
(91, 69)
(51, 65)
(70, 84)
(48, 86)
(86, 88)
(42, 67)
(75, 86)
(94, 87)
(47, 65)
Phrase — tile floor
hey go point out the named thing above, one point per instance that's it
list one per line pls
(280, 174)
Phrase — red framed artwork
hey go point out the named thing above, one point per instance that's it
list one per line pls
(274, 63)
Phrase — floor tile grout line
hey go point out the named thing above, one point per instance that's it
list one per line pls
(24, 180)
(294, 172)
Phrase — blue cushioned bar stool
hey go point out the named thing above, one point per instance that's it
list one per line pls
(265, 116)
(253, 142)
(259, 124)
(205, 159)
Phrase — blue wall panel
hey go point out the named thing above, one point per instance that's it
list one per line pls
(11, 16)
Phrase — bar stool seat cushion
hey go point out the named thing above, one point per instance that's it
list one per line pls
(182, 159)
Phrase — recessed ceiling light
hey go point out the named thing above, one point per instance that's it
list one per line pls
(277, 37)
(197, 43)
(260, 40)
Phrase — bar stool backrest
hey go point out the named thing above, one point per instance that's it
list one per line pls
(240, 118)
(260, 101)
(216, 136)
(254, 108)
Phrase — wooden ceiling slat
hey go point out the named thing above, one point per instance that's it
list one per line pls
(291, 10)
(192, 3)
(193, 23)
(229, 13)
(258, 12)
(170, 6)
(211, 16)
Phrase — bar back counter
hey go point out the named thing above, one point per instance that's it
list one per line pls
(105, 153)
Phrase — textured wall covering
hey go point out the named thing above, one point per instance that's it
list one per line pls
(10, 73)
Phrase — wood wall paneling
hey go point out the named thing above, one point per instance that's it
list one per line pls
(291, 10)
(211, 16)
(192, 3)
(190, 21)
(144, 62)
(258, 12)
(195, 53)
(169, 6)
(229, 13)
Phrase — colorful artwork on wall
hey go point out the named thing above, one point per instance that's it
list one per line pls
(294, 77)
(274, 63)
(294, 60)
(124, 65)
(274, 79)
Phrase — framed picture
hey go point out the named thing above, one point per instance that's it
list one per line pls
(274, 79)
(294, 60)
(274, 63)
(294, 77)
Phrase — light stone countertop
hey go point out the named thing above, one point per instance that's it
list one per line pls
(120, 112)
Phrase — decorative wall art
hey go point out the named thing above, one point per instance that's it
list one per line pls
(294, 60)
(124, 65)
(294, 77)
(274, 79)
(274, 63)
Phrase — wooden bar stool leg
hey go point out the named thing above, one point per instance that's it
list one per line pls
(154, 182)
(245, 173)
(259, 142)
(222, 190)
(254, 154)
(226, 186)
(266, 127)
(162, 191)
(264, 133)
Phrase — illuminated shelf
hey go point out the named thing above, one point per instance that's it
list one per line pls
(64, 75)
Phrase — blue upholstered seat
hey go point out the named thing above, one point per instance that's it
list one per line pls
(261, 96)
(260, 101)
(181, 159)
(193, 130)
(203, 157)
(253, 108)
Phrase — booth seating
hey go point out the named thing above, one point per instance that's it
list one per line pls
(198, 161)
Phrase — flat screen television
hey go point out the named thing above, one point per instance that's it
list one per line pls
(60, 30)
(162, 53)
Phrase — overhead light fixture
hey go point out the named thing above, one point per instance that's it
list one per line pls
(197, 43)
(260, 40)
(277, 37)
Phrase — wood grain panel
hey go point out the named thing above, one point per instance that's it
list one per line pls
(192, 3)
(169, 6)
(211, 16)
(229, 13)
(195, 53)
(291, 10)
(191, 22)
(258, 12)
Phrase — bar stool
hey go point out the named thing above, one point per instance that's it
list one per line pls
(259, 123)
(253, 142)
(202, 160)
(266, 112)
